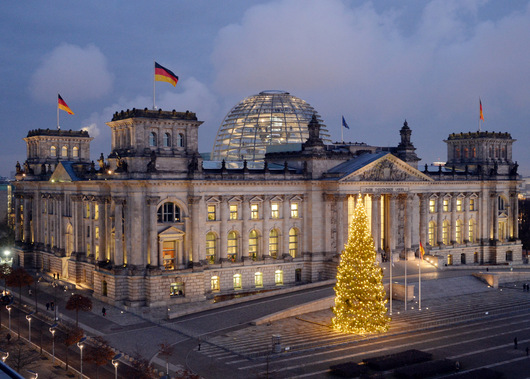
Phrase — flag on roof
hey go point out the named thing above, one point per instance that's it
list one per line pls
(481, 114)
(344, 123)
(162, 74)
(422, 251)
(62, 105)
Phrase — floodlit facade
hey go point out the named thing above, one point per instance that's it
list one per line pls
(266, 119)
(151, 225)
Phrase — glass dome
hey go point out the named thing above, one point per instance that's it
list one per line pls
(268, 118)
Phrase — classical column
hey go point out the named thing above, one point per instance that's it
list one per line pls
(152, 202)
(452, 238)
(342, 222)
(27, 218)
(515, 215)
(392, 222)
(196, 253)
(285, 226)
(376, 221)
(466, 219)
(407, 238)
(424, 203)
(118, 231)
(18, 217)
(245, 217)
(495, 213)
(266, 224)
(439, 218)
(223, 217)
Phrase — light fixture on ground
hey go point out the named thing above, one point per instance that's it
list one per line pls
(81, 345)
(52, 331)
(28, 317)
(115, 364)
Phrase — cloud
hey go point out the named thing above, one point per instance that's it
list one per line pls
(77, 73)
(377, 68)
(92, 129)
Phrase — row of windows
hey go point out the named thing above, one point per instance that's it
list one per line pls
(215, 281)
(64, 151)
(446, 205)
(472, 153)
(166, 140)
(459, 232)
(233, 247)
(255, 211)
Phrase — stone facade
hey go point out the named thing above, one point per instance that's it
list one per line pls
(154, 225)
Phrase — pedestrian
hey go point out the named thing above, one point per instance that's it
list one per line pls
(52, 305)
(29, 291)
(515, 343)
(47, 306)
(457, 365)
(8, 337)
(54, 276)
(104, 311)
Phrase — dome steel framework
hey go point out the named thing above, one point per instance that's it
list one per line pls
(268, 118)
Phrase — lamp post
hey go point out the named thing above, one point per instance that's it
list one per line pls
(35, 374)
(5, 355)
(80, 345)
(115, 364)
(54, 285)
(28, 317)
(8, 307)
(52, 331)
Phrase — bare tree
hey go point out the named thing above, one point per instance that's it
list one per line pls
(76, 303)
(166, 350)
(100, 353)
(5, 271)
(20, 355)
(72, 336)
(19, 278)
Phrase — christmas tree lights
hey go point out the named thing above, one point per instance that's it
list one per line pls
(360, 298)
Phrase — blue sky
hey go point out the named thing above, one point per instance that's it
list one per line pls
(375, 62)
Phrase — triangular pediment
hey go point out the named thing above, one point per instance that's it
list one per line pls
(171, 232)
(60, 174)
(388, 168)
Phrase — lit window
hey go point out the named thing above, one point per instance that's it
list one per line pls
(278, 277)
(168, 251)
(459, 205)
(152, 139)
(254, 211)
(471, 204)
(446, 205)
(253, 245)
(450, 260)
(275, 210)
(258, 279)
(75, 152)
(432, 206)
(211, 247)
(273, 243)
(293, 242)
(458, 232)
(445, 232)
(97, 252)
(96, 232)
(87, 248)
(166, 140)
(214, 283)
(64, 151)
(87, 209)
(233, 212)
(53, 151)
(168, 212)
(294, 210)
(212, 212)
(232, 246)
(96, 212)
(176, 289)
(238, 284)
(471, 233)
(432, 233)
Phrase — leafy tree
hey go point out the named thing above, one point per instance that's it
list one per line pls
(71, 336)
(360, 301)
(78, 302)
(100, 354)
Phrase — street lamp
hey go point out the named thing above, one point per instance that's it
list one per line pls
(35, 374)
(5, 355)
(115, 364)
(80, 345)
(28, 317)
(8, 307)
(52, 331)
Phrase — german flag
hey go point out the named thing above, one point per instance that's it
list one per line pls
(422, 251)
(481, 114)
(162, 74)
(62, 105)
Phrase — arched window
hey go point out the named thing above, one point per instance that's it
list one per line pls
(75, 152)
(168, 212)
(445, 232)
(432, 233)
(466, 152)
(458, 232)
(53, 151)
(471, 231)
(473, 152)
(273, 243)
(152, 139)
(167, 140)
(233, 246)
(457, 153)
(180, 140)
(293, 242)
(253, 245)
(64, 151)
(211, 247)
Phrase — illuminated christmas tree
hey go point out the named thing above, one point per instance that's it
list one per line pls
(360, 301)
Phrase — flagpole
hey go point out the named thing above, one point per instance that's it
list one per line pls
(58, 126)
(342, 133)
(421, 259)
(154, 86)
(391, 264)
(406, 279)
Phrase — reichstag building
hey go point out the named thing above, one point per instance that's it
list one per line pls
(154, 223)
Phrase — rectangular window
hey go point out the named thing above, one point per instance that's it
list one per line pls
(97, 251)
(471, 204)
(471, 236)
(168, 251)
(238, 284)
(459, 205)
(233, 212)
(214, 283)
(212, 214)
(432, 206)
(87, 215)
(96, 212)
(275, 210)
(176, 289)
(87, 248)
(254, 211)
(96, 232)
(294, 210)
(278, 277)
(446, 205)
(258, 279)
